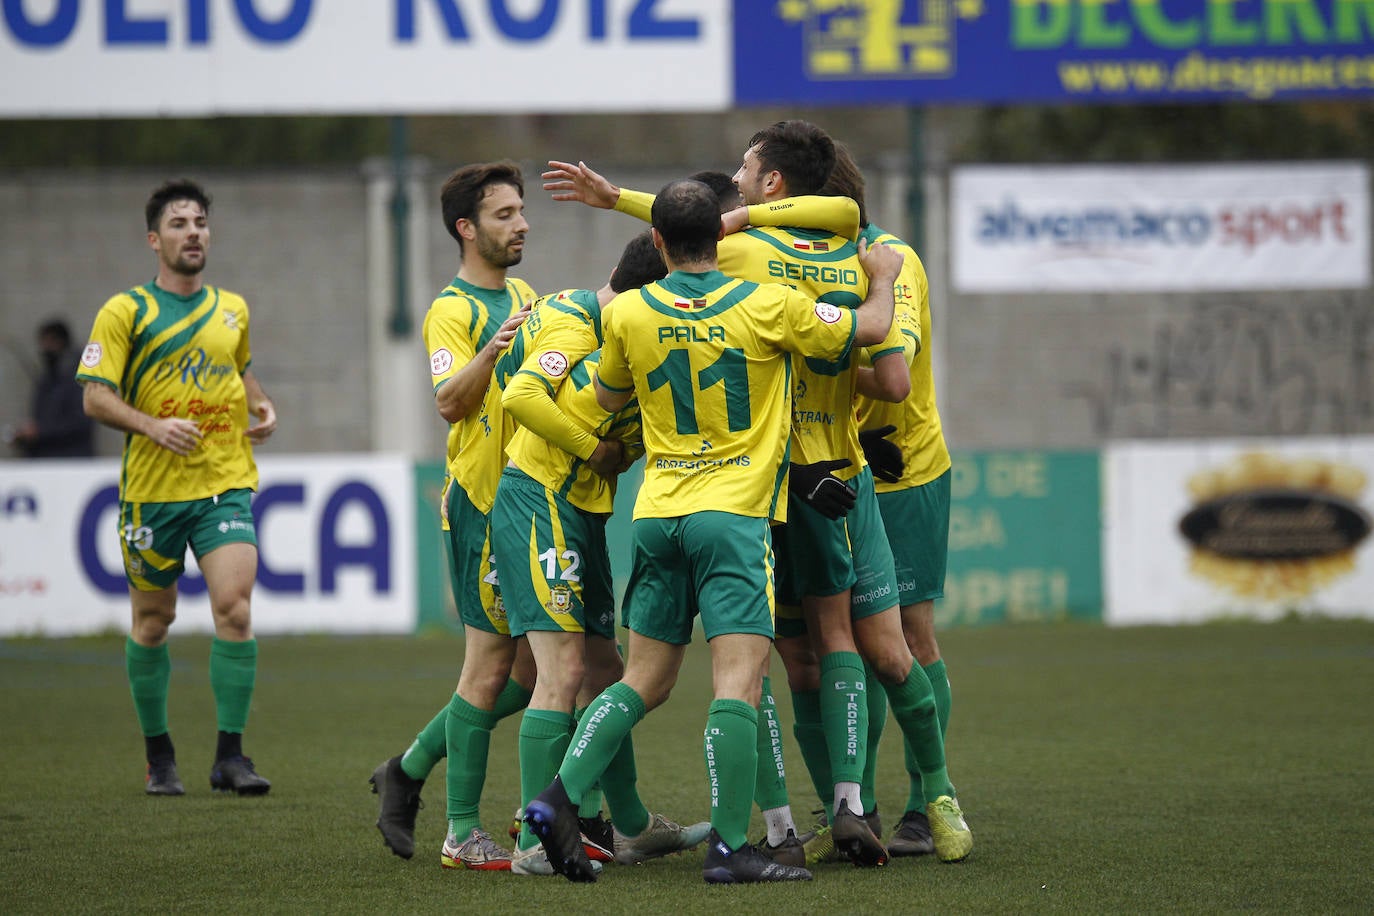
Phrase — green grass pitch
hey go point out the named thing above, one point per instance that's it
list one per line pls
(1209, 768)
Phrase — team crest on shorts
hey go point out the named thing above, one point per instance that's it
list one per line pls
(498, 607)
(560, 599)
(135, 565)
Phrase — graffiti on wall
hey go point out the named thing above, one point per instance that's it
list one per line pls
(1228, 368)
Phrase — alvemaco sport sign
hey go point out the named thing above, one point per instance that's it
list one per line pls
(1145, 228)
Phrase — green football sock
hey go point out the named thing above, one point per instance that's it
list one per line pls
(877, 721)
(468, 734)
(770, 786)
(429, 747)
(149, 669)
(622, 791)
(510, 700)
(913, 706)
(810, 735)
(591, 799)
(731, 747)
(844, 714)
(544, 736)
(233, 671)
(597, 738)
(939, 686)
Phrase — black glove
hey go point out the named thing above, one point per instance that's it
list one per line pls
(815, 485)
(884, 457)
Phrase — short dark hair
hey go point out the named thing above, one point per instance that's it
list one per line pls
(168, 191)
(58, 328)
(723, 186)
(687, 216)
(463, 191)
(847, 181)
(640, 263)
(799, 150)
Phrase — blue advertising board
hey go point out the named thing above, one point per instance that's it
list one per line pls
(1121, 51)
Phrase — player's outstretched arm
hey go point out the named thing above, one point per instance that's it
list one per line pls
(580, 183)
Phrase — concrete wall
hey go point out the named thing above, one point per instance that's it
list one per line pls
(310, 251)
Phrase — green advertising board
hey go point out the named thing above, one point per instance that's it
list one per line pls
(436, 608)
(1025, 538)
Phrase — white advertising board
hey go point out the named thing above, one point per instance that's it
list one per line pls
(336, 537)
(139, 58)
(1239, 528)
(1160, 228)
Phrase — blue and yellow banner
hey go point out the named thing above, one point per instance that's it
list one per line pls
(918, 51)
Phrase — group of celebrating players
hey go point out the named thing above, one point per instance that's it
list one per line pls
(765, 350)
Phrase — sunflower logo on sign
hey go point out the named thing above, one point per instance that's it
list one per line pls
(1272, 528)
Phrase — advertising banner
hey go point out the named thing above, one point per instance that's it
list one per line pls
(336, 538)
(155, 58)
(1239, 528)
(1024, 538)
(1123, 51)
(1151, 228)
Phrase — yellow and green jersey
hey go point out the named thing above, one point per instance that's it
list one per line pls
(462, 320)
(838, 215)
(706, 355)
(826, 268)
(563, 472)
(177, 356)
(546, 377)
(919, 434)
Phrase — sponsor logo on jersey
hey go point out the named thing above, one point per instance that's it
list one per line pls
(827, 312)
(440, 361)
(90, 357)
(554, 363)
(231, 320)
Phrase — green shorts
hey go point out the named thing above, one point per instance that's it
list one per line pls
(917, 522)
(564, 582)
(471, 566)
(875, 579)
(717, 564)
(813, 554)
(154, 536)
(822, 557)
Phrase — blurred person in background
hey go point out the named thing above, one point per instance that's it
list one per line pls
(167, 364)
(57, 425)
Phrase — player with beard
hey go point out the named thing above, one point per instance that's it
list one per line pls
(187, 476)
(466, 329)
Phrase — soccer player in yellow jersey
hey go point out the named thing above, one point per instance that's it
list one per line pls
(168, 364)
(706, 356)
(905, 445)
(549, 527)
(467, 327)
